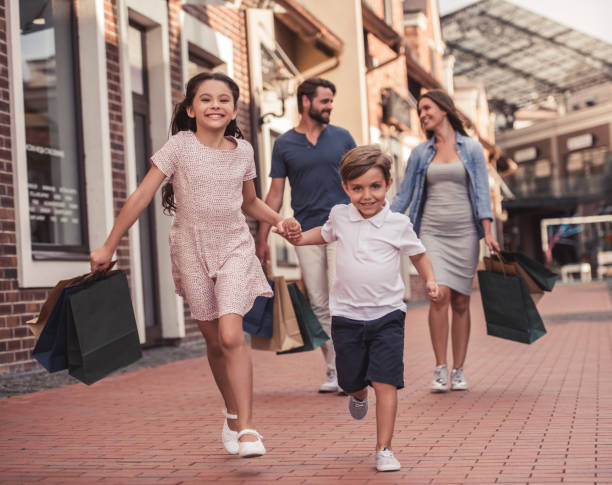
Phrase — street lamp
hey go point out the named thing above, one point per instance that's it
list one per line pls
(280, 85)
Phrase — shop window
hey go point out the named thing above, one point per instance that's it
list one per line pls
(202, 61)
(58, 225)
(388, 5)
(587, 170)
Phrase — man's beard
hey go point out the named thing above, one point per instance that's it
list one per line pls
(319, 115)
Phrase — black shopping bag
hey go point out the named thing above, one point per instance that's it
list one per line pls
(539, 273)
(50, 349)
(509, 311)
(312, 333)
(102, 333)
(259, 321)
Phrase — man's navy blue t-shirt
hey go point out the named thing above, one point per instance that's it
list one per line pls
(313, 172)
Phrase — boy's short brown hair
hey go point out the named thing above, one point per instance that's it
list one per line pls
(359, 160)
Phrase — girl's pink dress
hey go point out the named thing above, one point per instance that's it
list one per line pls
(213, 253)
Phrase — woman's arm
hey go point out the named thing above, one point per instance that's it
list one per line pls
(402, 199)
(490, 241)
(131, 210)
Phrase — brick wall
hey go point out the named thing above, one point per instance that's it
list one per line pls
(115, 114)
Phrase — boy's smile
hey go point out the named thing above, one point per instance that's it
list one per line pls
(367, 192)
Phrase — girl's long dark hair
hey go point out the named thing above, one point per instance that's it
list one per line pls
(446, 104)
(182, 122)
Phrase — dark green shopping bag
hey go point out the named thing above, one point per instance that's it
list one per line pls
(102, 333)
(312, 333)
(540, 274)
(509, 311)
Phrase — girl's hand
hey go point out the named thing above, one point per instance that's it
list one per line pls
(492, 244)
(433, 291)
(290, 229)
(100, 258)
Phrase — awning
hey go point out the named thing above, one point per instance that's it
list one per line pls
(308, 27)
(378, 27)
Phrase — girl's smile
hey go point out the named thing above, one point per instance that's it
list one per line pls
(213, 105)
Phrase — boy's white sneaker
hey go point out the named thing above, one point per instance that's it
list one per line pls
(458, 382)
(440, 379)
(331, 384)
(386, 462)
(357, 408)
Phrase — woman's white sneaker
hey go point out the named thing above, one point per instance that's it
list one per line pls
(458, 382)
(386, 462)
(229, 437)
(439, 382)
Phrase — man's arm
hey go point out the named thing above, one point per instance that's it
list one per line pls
(274, 200)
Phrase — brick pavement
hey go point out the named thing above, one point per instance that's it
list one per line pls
(534, 414)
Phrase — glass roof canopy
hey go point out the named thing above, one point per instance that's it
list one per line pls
(521, 57)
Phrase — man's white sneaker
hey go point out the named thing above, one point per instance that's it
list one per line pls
(229, 437)
(331, 384)
(440, 379)
(357, 408)
(386, 462)
(458, 382)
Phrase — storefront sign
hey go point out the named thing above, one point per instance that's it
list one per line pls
(526, 154)
(581, 141)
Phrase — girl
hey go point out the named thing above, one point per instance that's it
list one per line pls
(211, 170)
(446, 186)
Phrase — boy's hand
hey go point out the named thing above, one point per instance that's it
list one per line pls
(432, 290)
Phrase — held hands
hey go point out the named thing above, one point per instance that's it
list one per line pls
(433, 291)
(290, 229)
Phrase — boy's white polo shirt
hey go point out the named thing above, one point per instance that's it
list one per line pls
(368, 284)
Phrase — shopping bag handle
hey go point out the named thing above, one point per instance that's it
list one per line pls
(501, 260)
(101, 273)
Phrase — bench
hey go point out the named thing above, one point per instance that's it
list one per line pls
(604, 264)
(569, 270)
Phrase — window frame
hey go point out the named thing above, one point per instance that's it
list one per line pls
(67, 252)
(33, 271)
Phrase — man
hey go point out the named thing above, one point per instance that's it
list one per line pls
(309, 155)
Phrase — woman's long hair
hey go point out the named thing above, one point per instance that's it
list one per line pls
(182, 122)
(446, 104)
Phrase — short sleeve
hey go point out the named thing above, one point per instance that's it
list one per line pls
(409, 243)
(328, 231)
(250, 172)
(165, 158)
(278, 168)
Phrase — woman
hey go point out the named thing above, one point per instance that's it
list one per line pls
(446, 187)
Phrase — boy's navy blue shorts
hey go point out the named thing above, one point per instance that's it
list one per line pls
(369, 351)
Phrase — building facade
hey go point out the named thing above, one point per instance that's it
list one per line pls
(87, 90)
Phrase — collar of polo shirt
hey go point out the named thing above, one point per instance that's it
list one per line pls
(377, 220)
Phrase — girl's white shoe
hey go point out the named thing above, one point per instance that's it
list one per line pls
(229, 437)
(250, 449)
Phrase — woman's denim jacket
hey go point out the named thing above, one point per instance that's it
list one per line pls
(412, 191)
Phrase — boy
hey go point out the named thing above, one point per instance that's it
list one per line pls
(366, 300)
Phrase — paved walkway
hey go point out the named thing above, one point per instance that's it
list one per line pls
(539, 413)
